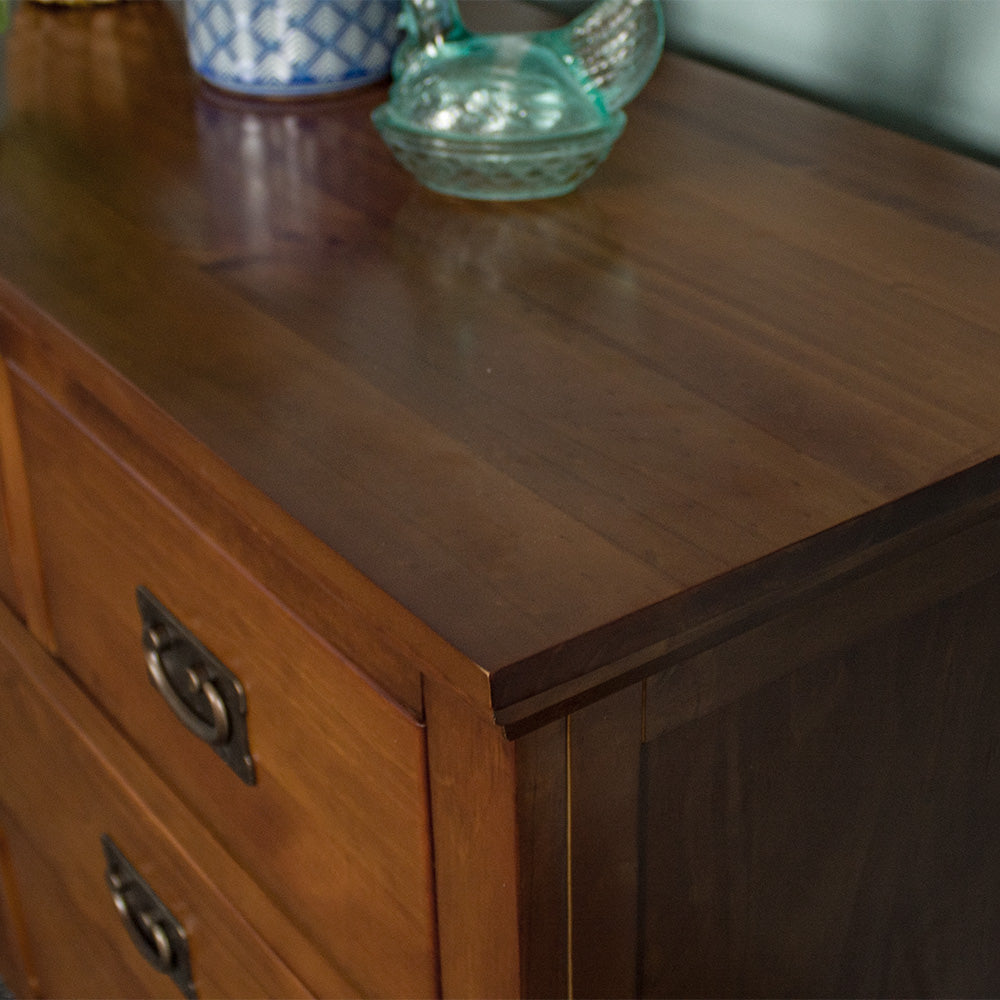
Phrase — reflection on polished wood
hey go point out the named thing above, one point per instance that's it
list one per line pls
(527, 422)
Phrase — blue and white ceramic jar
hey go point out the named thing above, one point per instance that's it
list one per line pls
(291, 48)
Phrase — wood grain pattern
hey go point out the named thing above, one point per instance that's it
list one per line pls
(499, 817)
(16, 969)
(473, 782)
(566, 416)
(669, 508)
(330, 595)
(688, 687)
(22, 573)
(605, 861)
(336, 829)
(544, 863)
(8, 586)
(103, 967)
(55, 813)
(831, 832)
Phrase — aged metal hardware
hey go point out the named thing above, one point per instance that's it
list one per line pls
(154, 930)
(204, 695)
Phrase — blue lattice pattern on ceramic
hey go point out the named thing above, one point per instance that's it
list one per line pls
(291, 47)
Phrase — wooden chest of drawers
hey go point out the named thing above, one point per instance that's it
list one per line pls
(407, 597)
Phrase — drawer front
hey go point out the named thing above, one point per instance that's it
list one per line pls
(11, 476)
(58, 799)
(8, 587)
(336, 827)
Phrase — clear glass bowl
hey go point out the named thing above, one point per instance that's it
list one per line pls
(500, 119)
(543, 166)
(515, 116)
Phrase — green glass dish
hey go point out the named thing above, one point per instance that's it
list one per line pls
(515, 116)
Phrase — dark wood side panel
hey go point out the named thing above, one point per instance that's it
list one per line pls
(543, 879)
(833, 832)
(605, 753)
(845, 610)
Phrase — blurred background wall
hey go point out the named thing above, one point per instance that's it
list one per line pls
(929, 67)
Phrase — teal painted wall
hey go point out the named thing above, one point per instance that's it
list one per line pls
(931, 67)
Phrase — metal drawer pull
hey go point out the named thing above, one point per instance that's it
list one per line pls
(142, 927)
(154, 930)
(214, 732)
(201, 692)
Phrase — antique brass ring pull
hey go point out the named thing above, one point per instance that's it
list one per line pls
(155, 931)
(207, 697)
(147, 933)
(215, 732)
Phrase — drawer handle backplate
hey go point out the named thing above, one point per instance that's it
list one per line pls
(154, 930)
(204, 695)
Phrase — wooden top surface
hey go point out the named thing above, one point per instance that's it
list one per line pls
(524, 422)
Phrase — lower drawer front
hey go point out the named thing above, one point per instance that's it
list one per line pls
(336, 828)
(58, 799)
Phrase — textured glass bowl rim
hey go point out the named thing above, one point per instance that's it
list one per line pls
(457, 142)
